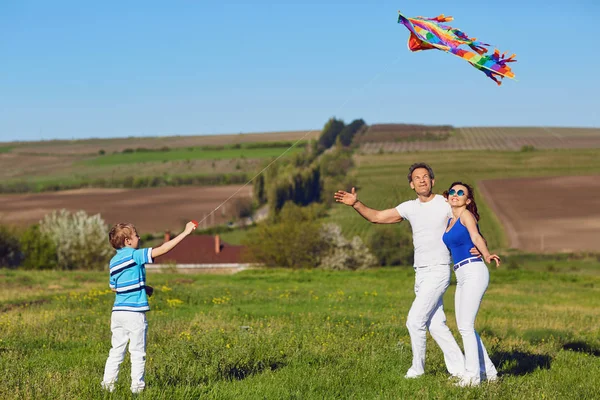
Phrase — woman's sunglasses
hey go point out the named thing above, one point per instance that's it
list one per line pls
(453, 192)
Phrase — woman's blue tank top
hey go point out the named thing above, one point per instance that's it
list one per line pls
(458, 241)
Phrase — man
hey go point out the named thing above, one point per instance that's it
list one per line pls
(428, 215)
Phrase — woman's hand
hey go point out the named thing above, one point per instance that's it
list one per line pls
(494, 257)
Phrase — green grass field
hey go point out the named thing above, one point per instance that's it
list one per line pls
(277, 334)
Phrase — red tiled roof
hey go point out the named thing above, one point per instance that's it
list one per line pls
(200, 249)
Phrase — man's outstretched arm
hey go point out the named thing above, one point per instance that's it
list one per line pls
(389, 216)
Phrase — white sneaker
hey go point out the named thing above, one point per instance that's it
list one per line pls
(466, 382)
(410, 374)
(108, 386)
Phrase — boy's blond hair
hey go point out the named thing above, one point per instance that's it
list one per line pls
(119, 233)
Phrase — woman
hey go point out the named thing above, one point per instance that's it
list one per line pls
(472, 276)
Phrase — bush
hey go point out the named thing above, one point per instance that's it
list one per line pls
(39, 251)
(241, 207)
(391, 246)
(10, 248)
(292, 240)
(81, 241)
(342, 254)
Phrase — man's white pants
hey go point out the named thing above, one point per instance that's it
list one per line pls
(127, 326)
(472, 282)
(427, 312)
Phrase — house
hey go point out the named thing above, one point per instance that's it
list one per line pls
(201, 253)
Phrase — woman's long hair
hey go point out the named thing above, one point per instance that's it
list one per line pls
(472, 207)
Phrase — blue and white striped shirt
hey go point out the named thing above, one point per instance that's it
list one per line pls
(128, 278)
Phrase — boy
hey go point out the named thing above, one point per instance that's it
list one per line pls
(128, 321)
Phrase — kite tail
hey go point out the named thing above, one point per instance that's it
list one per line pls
(500, 59)
(471, 42)
(495, 66)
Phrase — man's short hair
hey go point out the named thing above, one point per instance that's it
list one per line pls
(119, 233)
(419, 165)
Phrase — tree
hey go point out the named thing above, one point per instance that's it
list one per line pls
(330, 132)
(391, 245)
(39, 250)
(347, 134)
(81, 241)
(291, 240)
(259, 190)
(342, 254)
(10, 248)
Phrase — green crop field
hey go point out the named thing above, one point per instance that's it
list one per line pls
(311, 334)
(188, 154)
(381, 180)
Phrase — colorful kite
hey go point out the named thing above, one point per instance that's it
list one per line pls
(429, 33)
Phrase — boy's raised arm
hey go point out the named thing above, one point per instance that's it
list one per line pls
(168, 246)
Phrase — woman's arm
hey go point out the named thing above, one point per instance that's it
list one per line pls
(469, 221)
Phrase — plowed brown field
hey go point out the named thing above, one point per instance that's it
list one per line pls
(554, 214)
(151, 210)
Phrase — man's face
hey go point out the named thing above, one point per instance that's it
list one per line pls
(421, 182)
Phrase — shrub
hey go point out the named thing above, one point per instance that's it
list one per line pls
(342, 254)
(39, 251)
(292, 240)
(10, 248)
(242, 207)
(391, 246)
(81, 241)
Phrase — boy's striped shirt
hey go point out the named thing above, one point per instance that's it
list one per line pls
(128, 278)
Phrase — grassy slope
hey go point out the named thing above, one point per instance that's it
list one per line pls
(296, 334)
(381, 180)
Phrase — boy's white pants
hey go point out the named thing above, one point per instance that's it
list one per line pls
(427, 312)
(127, 326)
(472, 282)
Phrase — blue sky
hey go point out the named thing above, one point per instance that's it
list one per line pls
(80, 69)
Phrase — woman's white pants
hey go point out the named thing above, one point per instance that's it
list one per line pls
(472, 282)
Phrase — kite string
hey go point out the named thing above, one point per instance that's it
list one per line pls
(350, 97)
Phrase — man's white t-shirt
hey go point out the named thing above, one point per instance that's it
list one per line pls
(428, 221)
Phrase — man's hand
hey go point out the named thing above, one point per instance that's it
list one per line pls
(149, 290)
(474, 252)
(346, 198)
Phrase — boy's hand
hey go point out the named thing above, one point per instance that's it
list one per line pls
(190, 226)
(149, 290)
